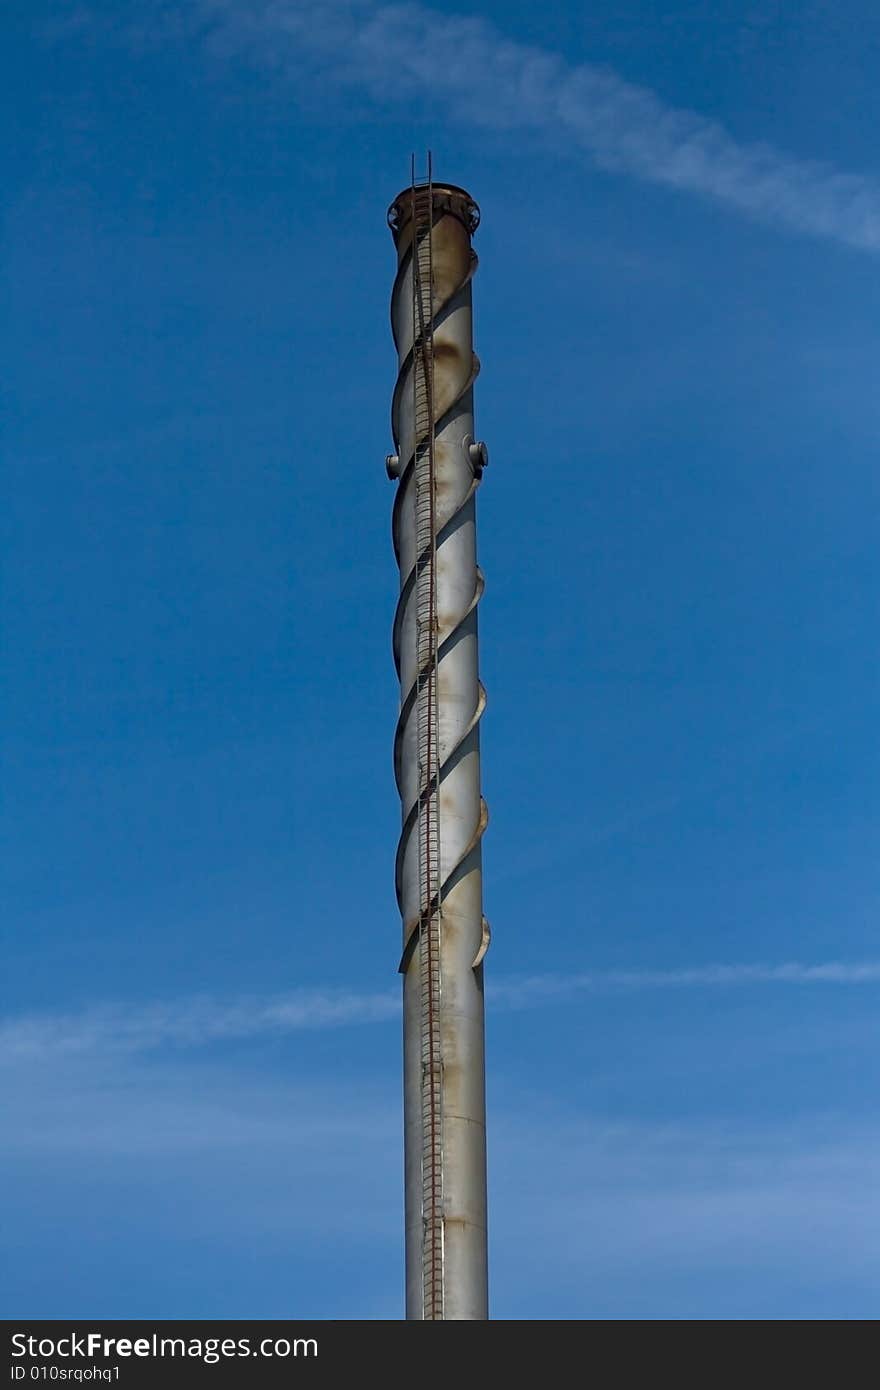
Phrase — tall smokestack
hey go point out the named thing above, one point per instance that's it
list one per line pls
(438, 466)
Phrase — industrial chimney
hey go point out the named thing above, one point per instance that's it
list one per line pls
(438, 466)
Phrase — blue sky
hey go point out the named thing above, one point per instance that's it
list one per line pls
(676, 313)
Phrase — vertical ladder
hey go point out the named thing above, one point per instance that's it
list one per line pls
(428, 828)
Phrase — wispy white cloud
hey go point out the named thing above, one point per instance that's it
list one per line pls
(536, 989)
(189, 1022)
(196, 1022)
(471, 72)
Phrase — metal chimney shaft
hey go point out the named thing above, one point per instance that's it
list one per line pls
(438, 467)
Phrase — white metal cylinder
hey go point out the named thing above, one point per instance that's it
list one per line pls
(463, 932)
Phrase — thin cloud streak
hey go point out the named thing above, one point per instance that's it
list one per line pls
(397, 52)
(197, 1022)
(536, 989)
(190, 1022)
